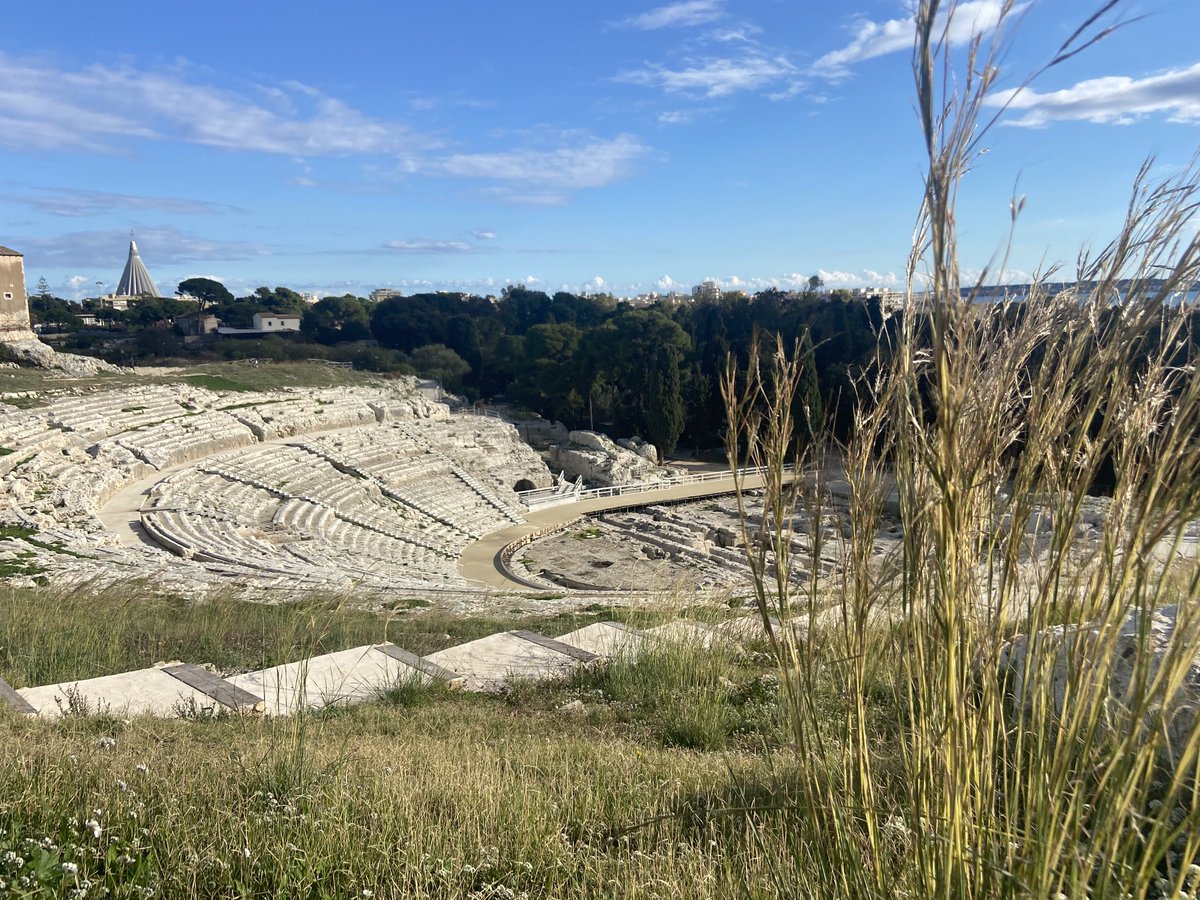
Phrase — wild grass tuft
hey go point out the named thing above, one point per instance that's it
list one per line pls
(1061, 764)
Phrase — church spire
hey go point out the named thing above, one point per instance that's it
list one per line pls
(135, 280)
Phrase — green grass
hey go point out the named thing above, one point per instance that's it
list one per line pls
(426, 792)
(454, 797)
(51, 635)
(217, 383)
(232, 377)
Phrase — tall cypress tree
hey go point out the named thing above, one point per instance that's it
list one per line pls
(808, 409)
(665, 414)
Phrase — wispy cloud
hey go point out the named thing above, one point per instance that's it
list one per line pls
(1116, 99)
(104, 107)
(484, 235)
(76, 202)
(714, 77)
(548, 174)
(674, 15)
(105, 250)
(874, 39)
(425, 247)
(674, 117)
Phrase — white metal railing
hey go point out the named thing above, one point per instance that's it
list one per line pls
(556, 495)
(478, 411)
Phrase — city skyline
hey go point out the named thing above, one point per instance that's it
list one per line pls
(639, 148)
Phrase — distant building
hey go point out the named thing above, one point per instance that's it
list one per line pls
(380, 294)
(198, 324)
(272, 322)
(14, 302)
(265, 323)
(709, 290)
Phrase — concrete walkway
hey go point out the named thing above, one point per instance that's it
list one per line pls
(480, 562)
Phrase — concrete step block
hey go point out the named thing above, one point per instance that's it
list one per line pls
(488, 663)
(14, 701)
(685, 631)
(608, 640)
(141, 692)
(342, 678)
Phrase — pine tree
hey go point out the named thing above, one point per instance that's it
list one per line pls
(665, 413)
(43, 288)
(808, 409)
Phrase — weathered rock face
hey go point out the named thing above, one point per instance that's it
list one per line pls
(33, 352)
(599, 460)
(1138, 651)
(541, 433)
(645, 450)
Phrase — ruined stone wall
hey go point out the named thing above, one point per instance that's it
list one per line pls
(14, 303)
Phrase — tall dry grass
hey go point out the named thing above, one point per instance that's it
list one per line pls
(1062, 764)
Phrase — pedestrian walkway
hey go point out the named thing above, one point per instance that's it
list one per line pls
(481, 563)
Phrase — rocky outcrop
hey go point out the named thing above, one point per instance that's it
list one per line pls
(541, 434)
(599, 460)
(644, 449)
(32, 352)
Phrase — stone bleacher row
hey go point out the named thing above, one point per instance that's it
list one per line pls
(69, 457)
(346, 677)
(336, 507)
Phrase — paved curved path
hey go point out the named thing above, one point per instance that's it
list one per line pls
(480, 562)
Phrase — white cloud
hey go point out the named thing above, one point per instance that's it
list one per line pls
(73, 202)
(1115, 99)
(101, 107)
(421, 246)
(674, 117)
(742, 33)
(160, 246)
(526, 197)
(594, 163)
(594, 285)
(713, 77)
(674, 15)
(484, 235)
(873, 39)
(794, 281)
(667, 283)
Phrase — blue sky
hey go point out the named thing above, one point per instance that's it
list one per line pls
(622, 146)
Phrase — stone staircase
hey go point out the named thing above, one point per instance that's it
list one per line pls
(346, 677)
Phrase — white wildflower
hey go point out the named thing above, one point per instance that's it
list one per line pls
(94, 827)
(69, 868)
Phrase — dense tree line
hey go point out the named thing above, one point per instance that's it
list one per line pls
(589, 361)
(653, 371)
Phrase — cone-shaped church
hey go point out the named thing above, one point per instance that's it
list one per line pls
(135, 280)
